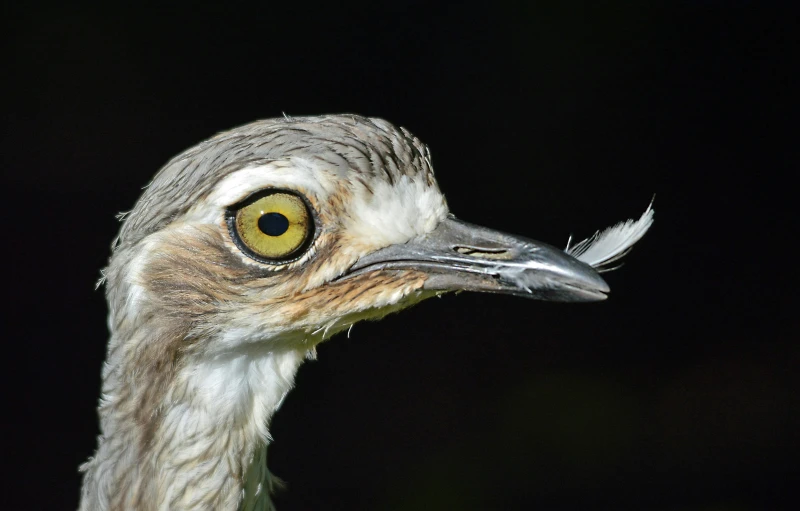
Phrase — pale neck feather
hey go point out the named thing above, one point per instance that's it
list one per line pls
(208, 448)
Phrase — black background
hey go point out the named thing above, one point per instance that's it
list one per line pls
(679, 392)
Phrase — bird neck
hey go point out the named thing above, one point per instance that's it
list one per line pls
(195, 440)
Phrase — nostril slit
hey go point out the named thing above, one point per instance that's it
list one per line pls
(485, 253)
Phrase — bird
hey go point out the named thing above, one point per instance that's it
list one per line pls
(246, 251)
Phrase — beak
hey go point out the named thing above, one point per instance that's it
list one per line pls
(458, 256)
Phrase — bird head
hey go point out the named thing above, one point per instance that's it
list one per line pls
(286, 231)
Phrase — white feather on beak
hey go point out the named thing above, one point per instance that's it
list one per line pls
(604, 248)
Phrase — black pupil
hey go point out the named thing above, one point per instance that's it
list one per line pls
(273, 224)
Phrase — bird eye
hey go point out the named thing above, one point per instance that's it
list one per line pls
(272, 227)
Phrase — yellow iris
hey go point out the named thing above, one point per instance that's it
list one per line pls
(274, 226)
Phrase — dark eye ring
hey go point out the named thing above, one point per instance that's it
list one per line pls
(273, 226)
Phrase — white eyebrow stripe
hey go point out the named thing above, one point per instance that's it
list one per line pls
(293, 174)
